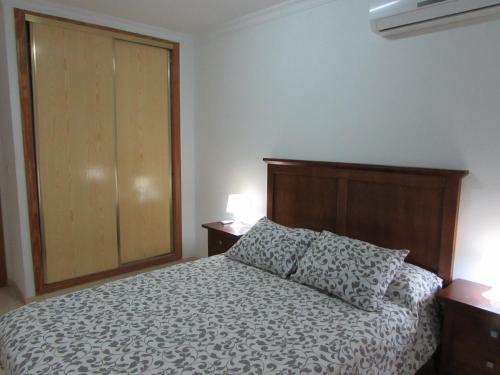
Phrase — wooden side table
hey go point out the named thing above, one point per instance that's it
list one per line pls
(471, 331)
(222, 237)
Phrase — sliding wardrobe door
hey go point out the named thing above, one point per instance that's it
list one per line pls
(143, 150)
(75, 147)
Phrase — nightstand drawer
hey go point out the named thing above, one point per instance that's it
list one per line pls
(475, 347)
(462, 369)
(471, 358)
(477, 326)
(219, 243)
(470, 337)
(222, 237)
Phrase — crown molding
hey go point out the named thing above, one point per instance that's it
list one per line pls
(265, 15)
(269, 14)
(84, 15)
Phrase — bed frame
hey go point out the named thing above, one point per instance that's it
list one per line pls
(393, 207)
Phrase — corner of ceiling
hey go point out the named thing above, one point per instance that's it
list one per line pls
(269, 14)
(84, 15)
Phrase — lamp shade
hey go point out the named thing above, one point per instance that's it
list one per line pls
(241, 206)
(237, 204)
(491, 260)
(493, 295)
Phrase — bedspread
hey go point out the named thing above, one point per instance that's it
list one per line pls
(213, 316)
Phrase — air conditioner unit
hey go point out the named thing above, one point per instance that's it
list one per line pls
(390, 17)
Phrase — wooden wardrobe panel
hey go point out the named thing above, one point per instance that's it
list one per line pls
(75, 142)
(144, 150)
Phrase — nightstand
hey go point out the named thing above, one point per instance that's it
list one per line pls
(471, 330)
(222, 237)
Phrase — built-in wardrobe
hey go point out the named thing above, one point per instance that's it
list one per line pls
(101, 136)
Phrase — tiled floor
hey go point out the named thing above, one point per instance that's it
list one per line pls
(10, 301)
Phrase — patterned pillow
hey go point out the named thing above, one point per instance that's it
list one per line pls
(272, 247)
(355, 271)
(412, 286)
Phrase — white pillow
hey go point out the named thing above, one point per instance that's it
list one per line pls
(272, 247)
(412, 286)
(355, 271)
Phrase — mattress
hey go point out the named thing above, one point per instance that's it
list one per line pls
(213, 316)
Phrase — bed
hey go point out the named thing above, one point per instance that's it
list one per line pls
(219, 316)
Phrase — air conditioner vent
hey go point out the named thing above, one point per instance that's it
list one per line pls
(399, 16)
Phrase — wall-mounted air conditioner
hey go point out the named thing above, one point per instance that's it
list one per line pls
(390, 17)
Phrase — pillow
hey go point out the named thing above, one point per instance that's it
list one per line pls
(355, 271)
(412, 286)
(272, 247)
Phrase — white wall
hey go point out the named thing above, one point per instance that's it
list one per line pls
(9, 180)
(12, 175)
(318, 84)
(314, 84)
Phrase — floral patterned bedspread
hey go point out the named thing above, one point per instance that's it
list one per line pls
(213, 316)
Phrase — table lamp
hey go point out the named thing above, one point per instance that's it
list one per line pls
(240, 205)
(493, 270)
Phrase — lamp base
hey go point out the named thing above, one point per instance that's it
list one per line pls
(493, 295)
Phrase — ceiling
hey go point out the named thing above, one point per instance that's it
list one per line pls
(186, 16)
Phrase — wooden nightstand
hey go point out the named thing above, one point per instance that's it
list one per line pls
(471, 331)
(222, 237)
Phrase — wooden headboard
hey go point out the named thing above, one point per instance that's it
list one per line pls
(394, 207)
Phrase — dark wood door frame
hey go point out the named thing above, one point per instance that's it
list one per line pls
(25, 92)
(3, 265)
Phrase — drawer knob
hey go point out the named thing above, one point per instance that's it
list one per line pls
(490, 365)
(494, 334)
(219, 242)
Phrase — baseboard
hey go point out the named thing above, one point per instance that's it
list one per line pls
(17, 291)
